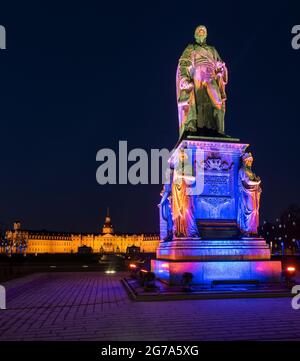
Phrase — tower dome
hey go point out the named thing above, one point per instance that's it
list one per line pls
(107, 228)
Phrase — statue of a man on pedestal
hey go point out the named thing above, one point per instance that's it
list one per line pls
(200, 81)
(249, 197)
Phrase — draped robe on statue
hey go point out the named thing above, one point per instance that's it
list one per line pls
(166, 211)
(202, 103)
(183, 206)
(249, 198)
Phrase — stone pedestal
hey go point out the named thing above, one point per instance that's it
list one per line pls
(220, 253)
(207, 272)
(182, 249)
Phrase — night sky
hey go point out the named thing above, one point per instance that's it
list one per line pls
(76, 78)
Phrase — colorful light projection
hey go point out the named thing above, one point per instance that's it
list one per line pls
(209, 271)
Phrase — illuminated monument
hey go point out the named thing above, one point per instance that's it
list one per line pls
(209, 210)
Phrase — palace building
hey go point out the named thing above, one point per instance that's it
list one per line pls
(37, 242)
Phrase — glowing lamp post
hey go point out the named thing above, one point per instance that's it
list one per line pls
(289, 274)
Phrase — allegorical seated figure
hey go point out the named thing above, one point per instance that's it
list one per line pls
(249, 197)
(200, 82)
(184, 222)
(166, 206)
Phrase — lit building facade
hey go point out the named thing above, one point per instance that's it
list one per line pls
(107, 241)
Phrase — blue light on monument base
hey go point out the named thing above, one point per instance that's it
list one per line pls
(205, 272)
(220, 252)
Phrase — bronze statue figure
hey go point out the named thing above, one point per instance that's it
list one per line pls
(201, 79)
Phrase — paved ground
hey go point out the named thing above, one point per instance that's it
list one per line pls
(94, 306)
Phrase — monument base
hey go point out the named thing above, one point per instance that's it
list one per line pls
(207, 272)
(222, 207)
(191, 249)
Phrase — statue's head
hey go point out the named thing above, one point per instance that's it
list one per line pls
(247, 159)
(201, 34)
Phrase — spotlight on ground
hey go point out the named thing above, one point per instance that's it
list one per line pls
(291, 269)
(110, 271)
(289, 274)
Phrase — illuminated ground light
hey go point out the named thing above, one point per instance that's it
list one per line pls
(291, 269)
(132, 266)
(110, 271)
(163, 268)
(290, 273)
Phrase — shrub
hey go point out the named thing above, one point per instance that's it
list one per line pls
(187, 279)
(149, 280)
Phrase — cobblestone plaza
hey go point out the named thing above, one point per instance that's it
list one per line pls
(95, 306)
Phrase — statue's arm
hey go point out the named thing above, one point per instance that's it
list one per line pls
(221, 67)
(253, 182)
(165, 193)
(248, 181)
(216, 55)
(184, 68)
(163, 199)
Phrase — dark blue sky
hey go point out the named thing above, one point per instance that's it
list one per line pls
(78, 77)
